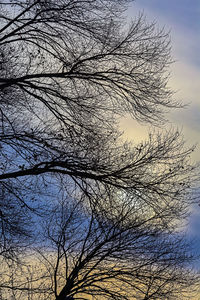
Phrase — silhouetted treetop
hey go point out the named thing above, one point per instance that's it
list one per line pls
(75, 57)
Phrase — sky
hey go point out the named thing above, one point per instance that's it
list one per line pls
(182, 19)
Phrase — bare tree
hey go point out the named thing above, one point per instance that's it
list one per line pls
(117, 254)
(69, 68)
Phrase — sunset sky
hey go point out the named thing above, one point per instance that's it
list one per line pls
(182, 19)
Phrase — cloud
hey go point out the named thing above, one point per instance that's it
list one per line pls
(185, 72)
(182, 18)
(185, 80)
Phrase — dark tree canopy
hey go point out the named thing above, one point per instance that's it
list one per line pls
(100, 215)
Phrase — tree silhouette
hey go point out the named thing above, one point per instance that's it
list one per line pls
(116, 253)
(69, 70)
